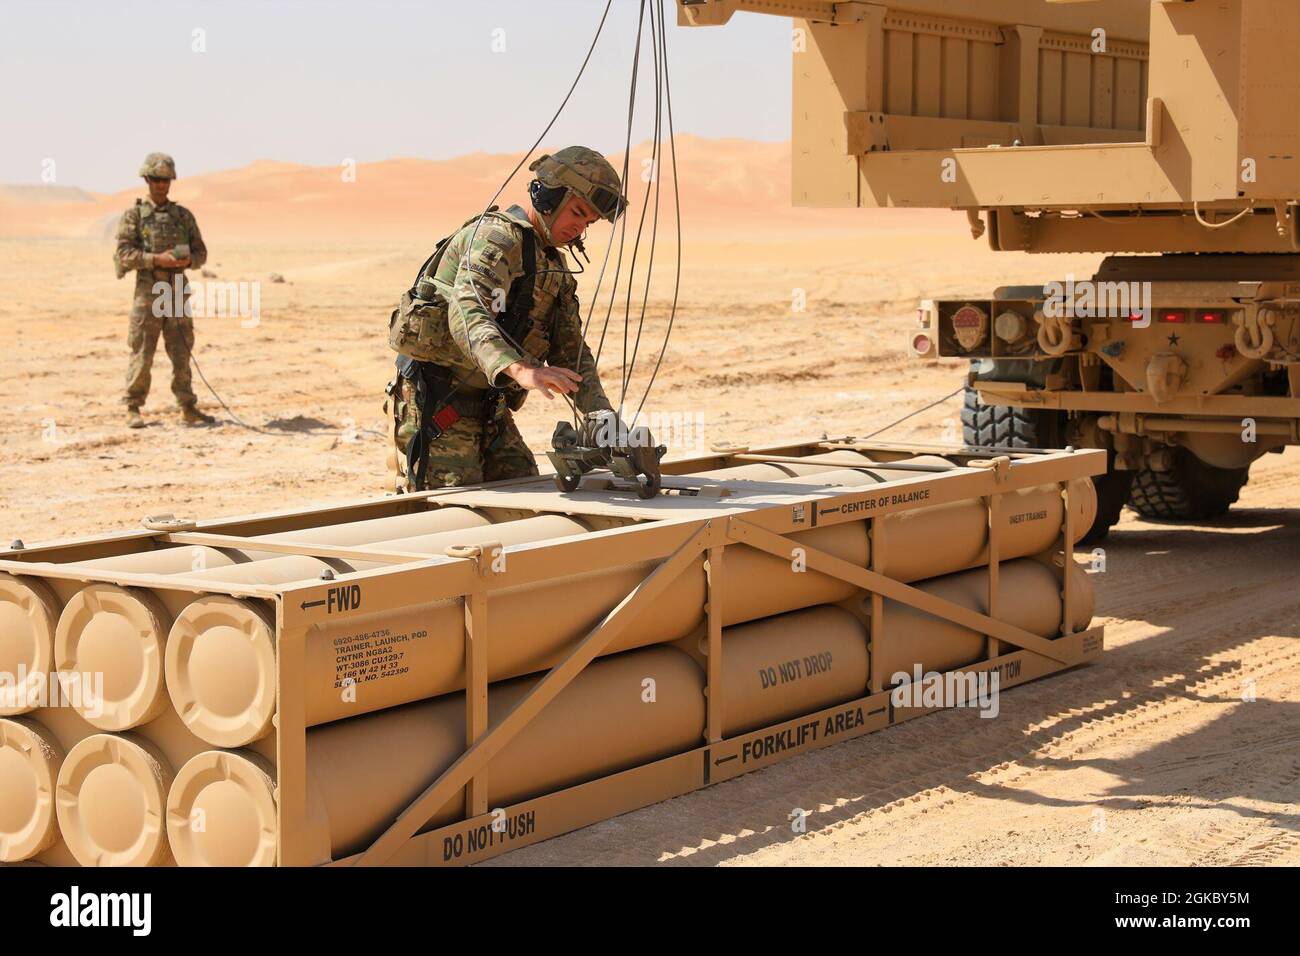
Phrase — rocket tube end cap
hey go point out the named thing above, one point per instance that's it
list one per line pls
(220, 667)
(110, 639)
(111, 800)
(1083, 495)
(29, 614)
(29, 771)
(221, 811)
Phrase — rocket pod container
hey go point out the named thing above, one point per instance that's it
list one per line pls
(371, 680)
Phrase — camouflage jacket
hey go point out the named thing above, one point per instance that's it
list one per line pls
(146, 229)
(553, 333)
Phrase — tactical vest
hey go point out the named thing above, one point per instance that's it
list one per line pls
(161, 230)
(418, 327)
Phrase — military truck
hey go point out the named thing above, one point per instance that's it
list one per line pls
(1163, 134)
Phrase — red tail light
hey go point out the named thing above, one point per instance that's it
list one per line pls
(1173, 315)
(1215, 316)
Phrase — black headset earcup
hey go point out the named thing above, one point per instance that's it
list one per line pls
(545, 199)
(536, 192)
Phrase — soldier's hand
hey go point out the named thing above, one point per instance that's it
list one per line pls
(165, 260)
(545, 379)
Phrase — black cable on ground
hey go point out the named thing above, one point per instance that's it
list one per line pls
(253, 428)
(221, 401)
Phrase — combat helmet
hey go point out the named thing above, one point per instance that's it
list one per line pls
(585, 173)
(159, 166)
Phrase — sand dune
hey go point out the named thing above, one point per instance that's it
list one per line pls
(732, 188)
(42, 194)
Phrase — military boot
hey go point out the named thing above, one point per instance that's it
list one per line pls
(191, 415)
(133, 419)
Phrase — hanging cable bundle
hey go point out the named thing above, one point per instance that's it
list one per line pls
(662, 108)
(607, 439)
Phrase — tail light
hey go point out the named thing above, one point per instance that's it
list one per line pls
(970, 327)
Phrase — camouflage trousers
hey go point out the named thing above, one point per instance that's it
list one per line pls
(470, 451)
(178, 339)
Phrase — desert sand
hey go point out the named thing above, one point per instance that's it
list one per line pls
(1151, 757)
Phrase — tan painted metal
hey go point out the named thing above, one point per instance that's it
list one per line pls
(200, 560)
(1029, 521)
(622, 711)
(827, 465)
(119, 633)
(176, 560)
(111, 796)
(1028, 595)
(531, 821)
(29, 613)
(530, 628)
(59, 730)
(236, 791)
(1155, 113)
(497, 657)
(1111, 127)
(283, 570)
(385, 529)
(30, 759)
(1182, 383)
(790, 664)
(220, 668)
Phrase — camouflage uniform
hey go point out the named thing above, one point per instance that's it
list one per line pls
(487, 448)
(143, 231)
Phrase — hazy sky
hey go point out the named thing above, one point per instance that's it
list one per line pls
(95, 84)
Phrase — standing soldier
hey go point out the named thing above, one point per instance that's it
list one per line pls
(160, 240)
(477, 331)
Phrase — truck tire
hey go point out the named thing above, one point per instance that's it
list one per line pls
(1190, 490)
(1001, 426)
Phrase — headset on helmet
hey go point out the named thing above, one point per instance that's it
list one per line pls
(583, 172)
(546, 199)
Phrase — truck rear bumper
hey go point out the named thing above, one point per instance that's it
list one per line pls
(1201, 406)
